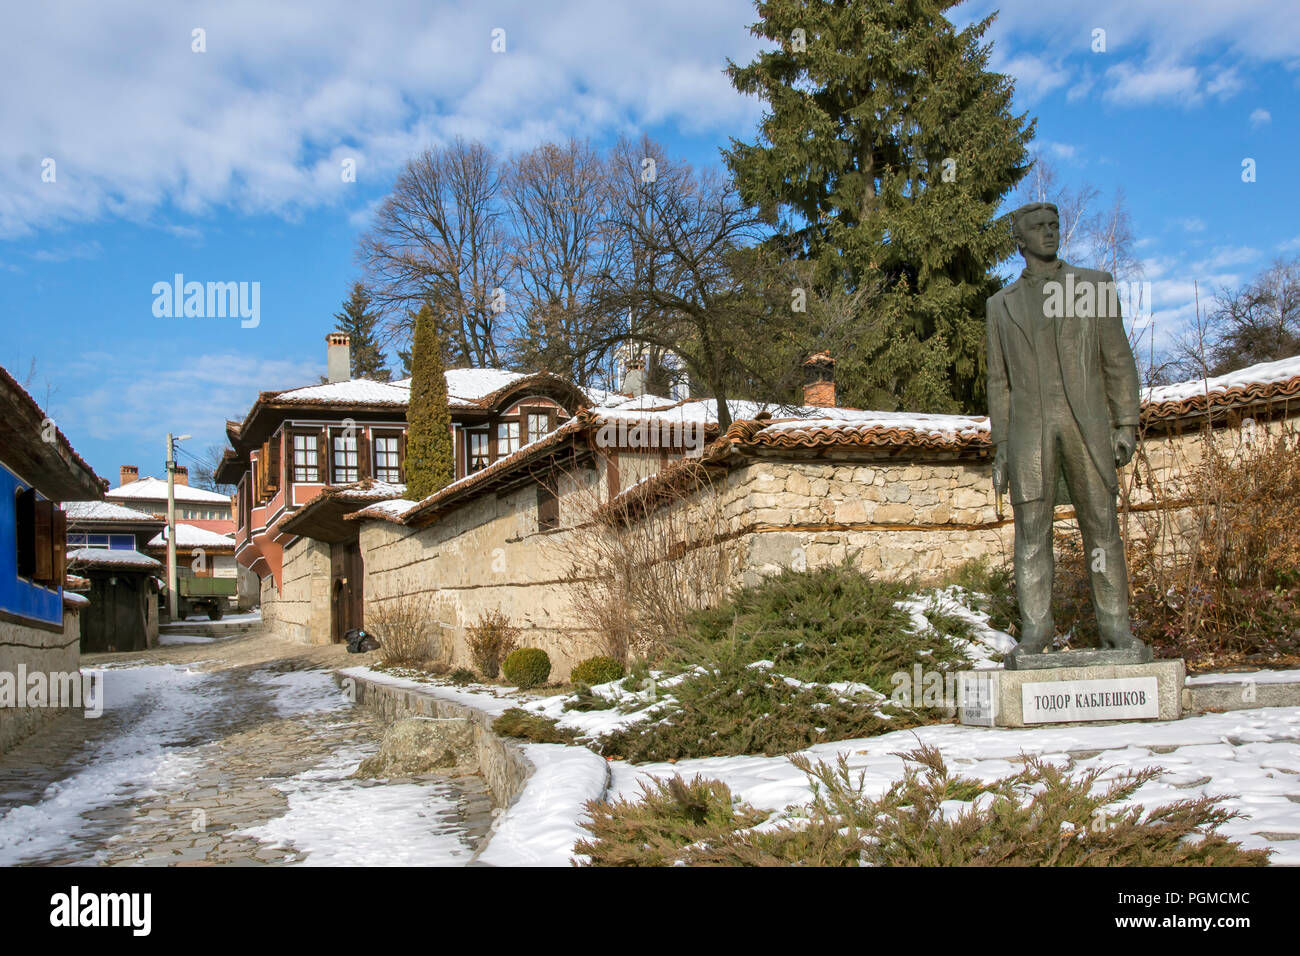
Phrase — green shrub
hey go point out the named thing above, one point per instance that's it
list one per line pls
(462, 676)
(670, 816)
(1042, 816)
(992, 589)
(732, 709)
(527, 667)
(597, 670)
(584, 700)
(517, 722)
(826, 625)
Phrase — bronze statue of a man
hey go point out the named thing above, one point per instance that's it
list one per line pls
(1063, 404)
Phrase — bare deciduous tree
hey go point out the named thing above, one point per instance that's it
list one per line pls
(556, 199)
(438, 238)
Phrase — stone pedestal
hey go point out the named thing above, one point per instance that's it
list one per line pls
(1067, 695)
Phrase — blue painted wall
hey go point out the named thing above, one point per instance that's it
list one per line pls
(18, 595)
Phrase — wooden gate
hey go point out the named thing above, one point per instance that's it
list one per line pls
(347, 582)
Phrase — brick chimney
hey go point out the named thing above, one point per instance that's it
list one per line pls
(182, 475)
(338, 357)
(128, 474)
(819, 380)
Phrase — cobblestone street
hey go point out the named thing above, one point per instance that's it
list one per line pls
(231, 752)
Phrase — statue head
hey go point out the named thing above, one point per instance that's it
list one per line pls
(1036, 228)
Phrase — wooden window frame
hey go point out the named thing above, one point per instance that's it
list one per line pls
(387, 434)
(308, 468)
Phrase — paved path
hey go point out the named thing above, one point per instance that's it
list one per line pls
(236, 752)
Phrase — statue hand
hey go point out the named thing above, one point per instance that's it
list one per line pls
(1000, 469)
(1123, 441)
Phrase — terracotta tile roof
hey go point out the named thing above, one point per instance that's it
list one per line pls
(1233, 396)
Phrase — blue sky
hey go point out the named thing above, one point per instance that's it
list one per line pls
(224, 165)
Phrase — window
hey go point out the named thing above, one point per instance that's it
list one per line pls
(539, 423)
(345, 458)
(304, 458)
(477, 449)
(115, 542)
(41, 539)
(507, 438)
(387, 465)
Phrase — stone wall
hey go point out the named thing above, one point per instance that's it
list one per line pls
(897, 518)
(300, 610)
(37, 650)
(488, 555)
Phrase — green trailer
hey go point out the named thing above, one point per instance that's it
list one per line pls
(208, 594)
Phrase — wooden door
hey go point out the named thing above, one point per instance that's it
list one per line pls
(347, 578)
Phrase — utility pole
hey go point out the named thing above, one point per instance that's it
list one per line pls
(171, 522)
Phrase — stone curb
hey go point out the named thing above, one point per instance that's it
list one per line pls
(501, 761)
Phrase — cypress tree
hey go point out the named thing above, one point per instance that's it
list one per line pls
(359, 322)
(886, 151)
(429, 461)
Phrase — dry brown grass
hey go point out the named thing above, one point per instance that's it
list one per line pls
(408, 632)
(491, 639)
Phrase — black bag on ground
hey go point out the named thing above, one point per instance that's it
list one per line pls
(360, 641)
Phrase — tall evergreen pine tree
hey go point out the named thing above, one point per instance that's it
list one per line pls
(886, 152)
(359, 323)
(429, 455)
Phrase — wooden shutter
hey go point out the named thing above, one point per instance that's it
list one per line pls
(44, 527)
(401, 456)
(60, 531)
(323, 456)
(25, 515)
(273, 464)
(364, 469)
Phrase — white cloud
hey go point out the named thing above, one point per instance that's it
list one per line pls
(1131, 86)
(140, 395)
(260, 121)
(1260, 117)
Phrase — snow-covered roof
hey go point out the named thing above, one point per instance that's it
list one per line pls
(192, 536)
(392, 508)
(104, 511)
(357, 391)
(73, 599)
(155, 489)
(466, 387)
(1265, 373)
(111, 558)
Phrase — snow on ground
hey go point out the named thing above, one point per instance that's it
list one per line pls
(1254, 754)
(1247, 677)
(541, 826)
(301, 692)
(157, 705)
(165, 639)
(338, 821)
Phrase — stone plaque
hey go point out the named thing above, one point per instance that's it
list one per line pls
(1119, 698)
(977, 702)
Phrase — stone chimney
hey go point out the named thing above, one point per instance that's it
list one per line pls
(338, 357)
(819, 380)
(182, 475)
(128, 474)
(634, 378)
